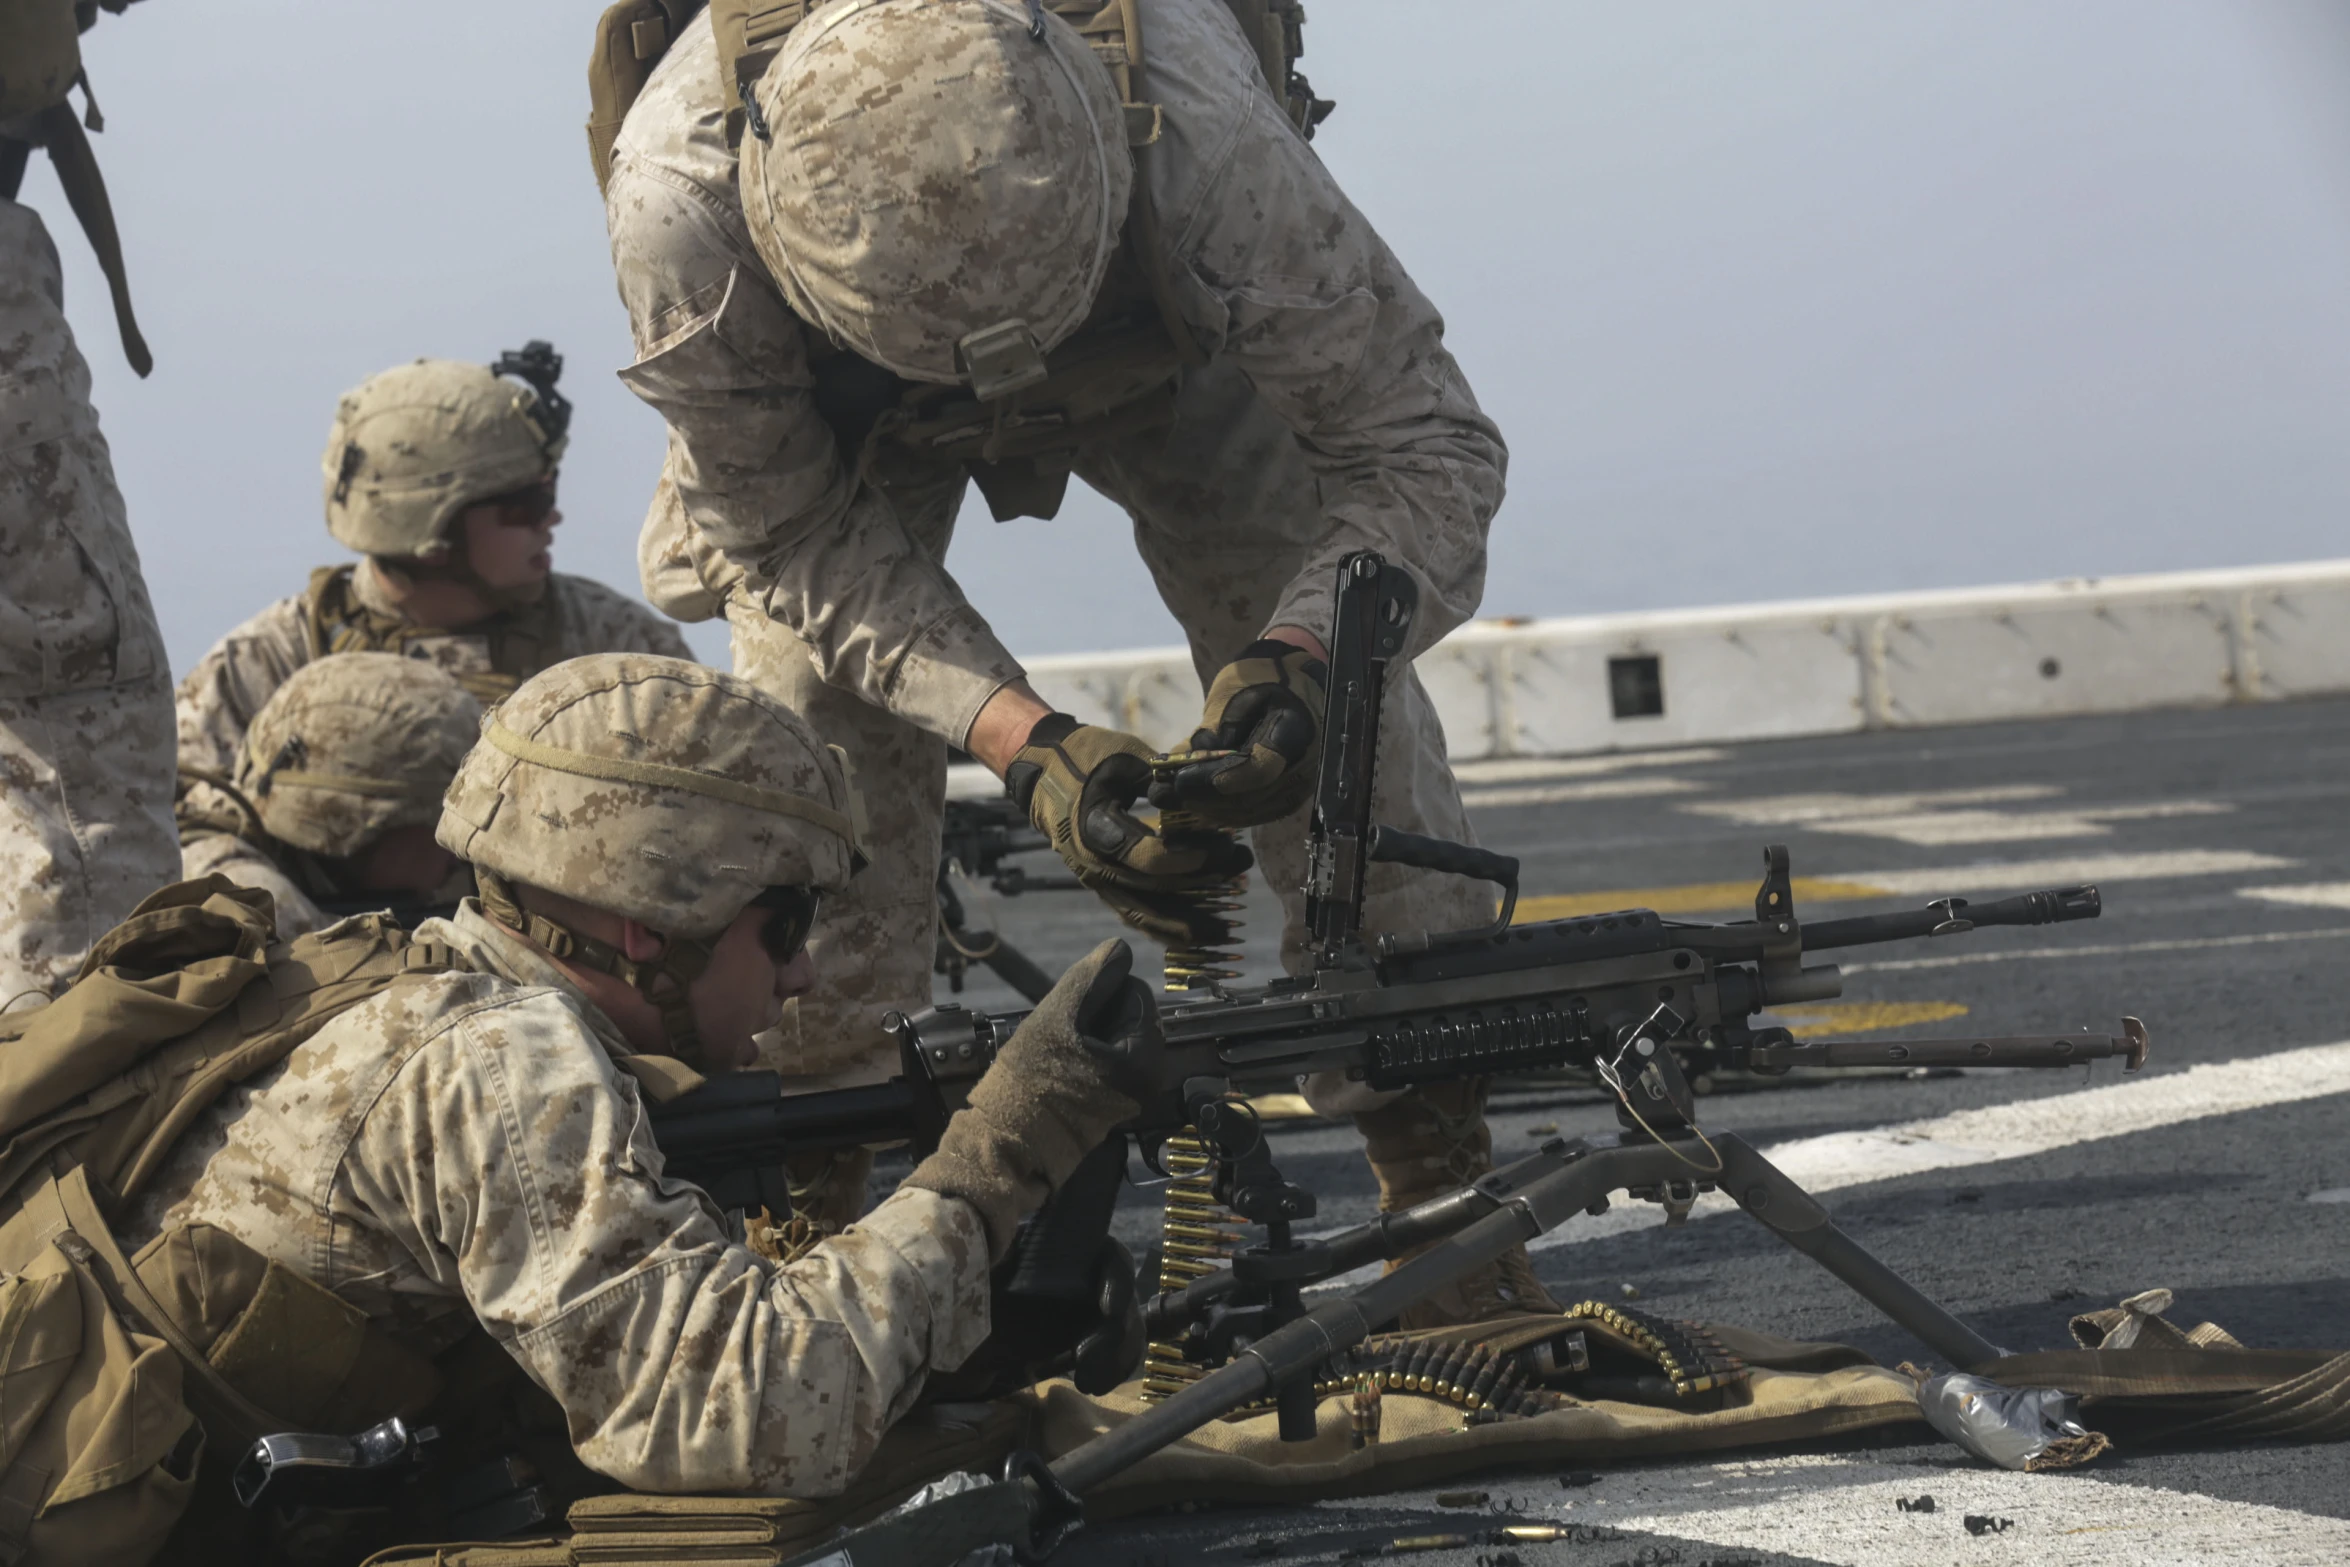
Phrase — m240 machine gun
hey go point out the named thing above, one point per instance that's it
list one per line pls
(1627, 996)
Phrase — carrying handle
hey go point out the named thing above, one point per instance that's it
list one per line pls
(1394, 846)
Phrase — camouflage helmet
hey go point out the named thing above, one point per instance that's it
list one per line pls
(654, 788)
(936, 181)
(416, 445)
(354, 745)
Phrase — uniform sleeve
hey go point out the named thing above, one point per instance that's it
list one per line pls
(1279, 271)
(218, 699)
(513, 1160)
(722, 359)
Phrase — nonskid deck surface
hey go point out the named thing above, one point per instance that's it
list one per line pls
(2221, 839)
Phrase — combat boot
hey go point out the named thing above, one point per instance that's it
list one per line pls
(1431, 1141)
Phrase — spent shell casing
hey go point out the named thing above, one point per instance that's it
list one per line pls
(1405, 1544)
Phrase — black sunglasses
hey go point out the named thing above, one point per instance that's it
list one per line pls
(791, 914)
(526, 507)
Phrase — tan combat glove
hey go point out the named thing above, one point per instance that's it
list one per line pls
(1077, 1067)
(1265, 709)
(1078, 784)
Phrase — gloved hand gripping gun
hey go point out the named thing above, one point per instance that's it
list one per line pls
(1625, 995)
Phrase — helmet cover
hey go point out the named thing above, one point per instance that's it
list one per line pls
(352, 746)
(416, 445)
(654, 788)
(933, 170)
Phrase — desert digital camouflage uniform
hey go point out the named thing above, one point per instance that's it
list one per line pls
(347, 749)
(85, 771)
(1327, 417)
(220, 696)
(478, 1152)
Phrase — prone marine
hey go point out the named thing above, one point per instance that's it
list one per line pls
(462, 1158)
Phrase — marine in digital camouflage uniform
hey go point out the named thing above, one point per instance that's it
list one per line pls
(442, 475)
(470, 1151)
(337, 790)
(85, 693)
(913, 249)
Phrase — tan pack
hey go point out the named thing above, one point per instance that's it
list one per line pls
(116, 1371)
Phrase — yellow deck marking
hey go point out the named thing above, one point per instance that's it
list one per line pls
(1828, 1019)
(1704, 897)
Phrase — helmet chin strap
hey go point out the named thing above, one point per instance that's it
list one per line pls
(681, 962)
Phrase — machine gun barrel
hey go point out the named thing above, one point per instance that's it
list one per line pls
(1951, 916)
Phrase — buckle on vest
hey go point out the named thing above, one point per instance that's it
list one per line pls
(1000, 360)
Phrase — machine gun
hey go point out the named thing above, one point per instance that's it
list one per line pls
(1629, 996)
(978, 837)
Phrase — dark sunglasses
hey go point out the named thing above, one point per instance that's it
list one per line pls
(791, 915)
(526, 507)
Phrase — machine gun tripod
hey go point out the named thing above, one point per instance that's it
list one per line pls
(1663, 1157)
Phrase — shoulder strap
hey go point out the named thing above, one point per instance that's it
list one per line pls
(85, 191)
(333, 620)
(631, 38)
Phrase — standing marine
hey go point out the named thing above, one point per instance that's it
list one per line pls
(876, 251)
(85, 691)
(442, 476)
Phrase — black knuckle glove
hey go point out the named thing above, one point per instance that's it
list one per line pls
(1263, 720)
(1078, 784)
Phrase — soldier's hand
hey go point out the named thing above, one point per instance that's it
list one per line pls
(1080, 1065)
(1264, 718)
(1078, 785)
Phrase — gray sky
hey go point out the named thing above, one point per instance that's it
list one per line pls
(1770, 299)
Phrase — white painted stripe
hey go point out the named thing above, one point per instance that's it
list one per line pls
(1804, 810)
(1846, 1511)
(1931, 828)
(2313, 895)
(2100, 950)
(1530, 769)
(2018, 875)
(2019, 1129)
(1594, 789)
